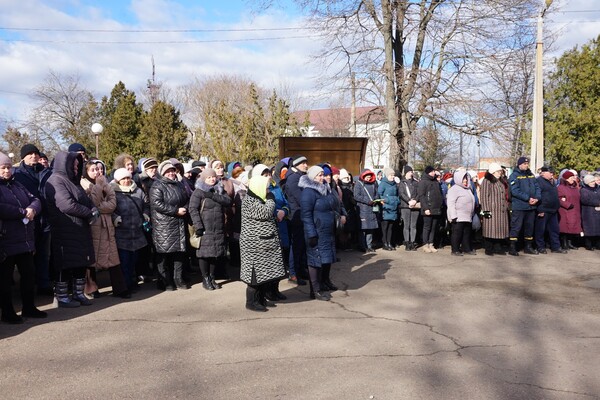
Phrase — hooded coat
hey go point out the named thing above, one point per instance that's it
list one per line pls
(493, 198)
(364, 194)
(34, 179)
(69, 213)
(260, 247)
(590, 210)
(16, 237)
(460, 199)
(208, 215)
(318, 208)
(169, 230)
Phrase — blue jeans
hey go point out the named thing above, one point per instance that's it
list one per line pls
(547, 223)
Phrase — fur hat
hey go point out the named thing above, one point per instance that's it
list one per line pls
(206, 173)
(149, 163)
(494, 167)
(4, 159)
(165, 165)
(121, 173)
(75, 147)
(589, 178)
(522, 160)
(28, 149)
(313, 172)
(567, 175)
(344, 176)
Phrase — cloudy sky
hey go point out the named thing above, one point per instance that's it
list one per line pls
(111, 40)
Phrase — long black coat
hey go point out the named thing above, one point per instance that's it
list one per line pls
(590, 215)
(211, 220)
(34, 179)
(168, 228)
(16, 237)
(69, 211)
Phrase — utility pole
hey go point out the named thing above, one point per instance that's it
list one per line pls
(537, 126)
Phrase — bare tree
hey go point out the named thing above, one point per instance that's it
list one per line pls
(416, 52)
(64, 112)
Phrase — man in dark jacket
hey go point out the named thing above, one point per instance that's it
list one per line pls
(298, 167)
(547, 213)
(31, 174)
(526, 194)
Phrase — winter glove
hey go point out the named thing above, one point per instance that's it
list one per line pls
(199, 232)
(118, 221)
(209, 194)
(312, 242)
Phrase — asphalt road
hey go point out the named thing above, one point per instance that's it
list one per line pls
(407, 325)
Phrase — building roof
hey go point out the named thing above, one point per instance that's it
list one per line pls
(336, 121)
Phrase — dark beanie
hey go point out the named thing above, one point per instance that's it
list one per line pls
(28, 149)
(407, 168)
(149, 163)
(428, 169)
(75, 147)
(298, 160)
(198, 164)
(522, 160)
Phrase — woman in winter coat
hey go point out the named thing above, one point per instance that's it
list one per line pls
(388, 192)
(168, 205)
(590, 212)
(131, 219)
(318, 206)
(70, 212)
(349, 236)
(208, 205)
(103, 229)
(429, 194)
(18, 209)
(493, 197)
(461, 206)
(262, 259)
(570, 210)
(365, 194)
(409, 208)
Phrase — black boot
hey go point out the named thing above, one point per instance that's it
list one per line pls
(529, 248)
(252, 300)
(407, 246)
(489, 247)
(8, 312)
(513, 248)
(570, 245)
(588, 244)
(206, 283)
(326, 283)
(214, 283)
(564, 243)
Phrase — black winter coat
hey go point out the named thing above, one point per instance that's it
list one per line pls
(404, 187)
(429, 193)
(69, 213)
(549, 202)
(169, 230)
(211, 220)
(34, 179)
(16, 237)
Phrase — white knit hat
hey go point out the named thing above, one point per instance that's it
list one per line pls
(344, 176)
(121, 173)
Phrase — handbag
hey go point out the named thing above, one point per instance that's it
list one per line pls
(195, 240)
(375, 207)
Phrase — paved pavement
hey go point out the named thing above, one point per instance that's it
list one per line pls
(407, 325)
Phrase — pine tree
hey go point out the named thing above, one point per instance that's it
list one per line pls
(163, 133)
(572, 131)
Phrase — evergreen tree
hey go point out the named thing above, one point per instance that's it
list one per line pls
(164, 135)
(15, 139)
(572, 124)
(121, 116)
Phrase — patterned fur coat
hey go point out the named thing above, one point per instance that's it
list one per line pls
(262, 259)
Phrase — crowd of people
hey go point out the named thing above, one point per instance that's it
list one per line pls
(63, 222)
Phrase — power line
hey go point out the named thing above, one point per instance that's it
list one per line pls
(153, 30)
(159, 41)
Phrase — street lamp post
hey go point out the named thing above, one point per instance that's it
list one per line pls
(537, 126)
(97, 130)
